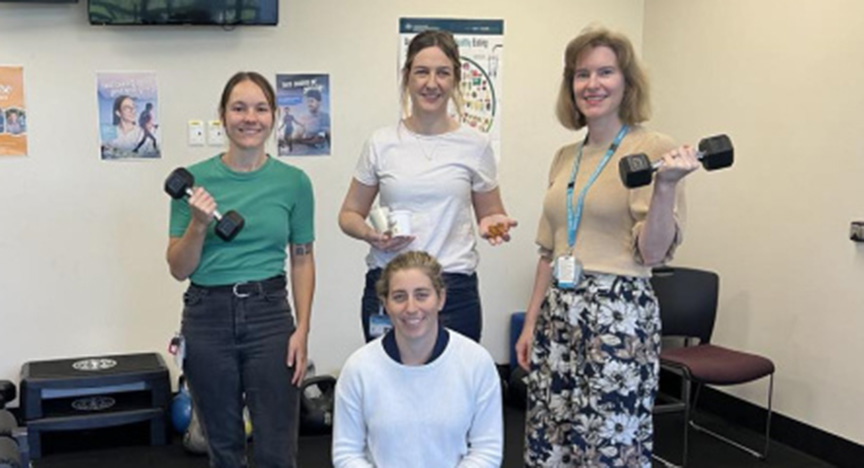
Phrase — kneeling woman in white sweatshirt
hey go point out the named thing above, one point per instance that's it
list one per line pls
(419, 396)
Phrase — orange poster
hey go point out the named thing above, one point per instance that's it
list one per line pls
(13, 113)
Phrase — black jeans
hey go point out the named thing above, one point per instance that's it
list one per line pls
(236, 353)
(462, 311)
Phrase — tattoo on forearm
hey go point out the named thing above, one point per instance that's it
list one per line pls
(302, 249)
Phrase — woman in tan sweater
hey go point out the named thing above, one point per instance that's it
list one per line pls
(592, 330)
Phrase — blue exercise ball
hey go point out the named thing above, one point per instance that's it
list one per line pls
(181, 411)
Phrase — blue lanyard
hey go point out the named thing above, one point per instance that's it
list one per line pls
(573, 218)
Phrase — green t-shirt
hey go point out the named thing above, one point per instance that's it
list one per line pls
(278, 206)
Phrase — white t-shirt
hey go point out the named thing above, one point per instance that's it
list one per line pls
(433, 177)
(127, 141)
(444, 414)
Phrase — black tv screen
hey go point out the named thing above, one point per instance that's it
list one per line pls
(194, 12)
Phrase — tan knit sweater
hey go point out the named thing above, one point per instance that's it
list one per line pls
(613, 215)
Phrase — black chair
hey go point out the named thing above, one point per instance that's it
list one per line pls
(688, 308)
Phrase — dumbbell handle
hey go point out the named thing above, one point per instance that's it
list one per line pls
(216, 213)
(659, 163)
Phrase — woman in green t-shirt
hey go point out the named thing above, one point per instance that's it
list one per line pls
(243, 347)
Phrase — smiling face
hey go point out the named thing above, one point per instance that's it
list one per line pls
(431, 80)
(126, 112)
(413, 303)
(313, 105)
(247, 116)
(598, 84)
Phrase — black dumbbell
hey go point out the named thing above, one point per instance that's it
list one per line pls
(8, 392)
(179, 184)
(317, 396)
(715, 152)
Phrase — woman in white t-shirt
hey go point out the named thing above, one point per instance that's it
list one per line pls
(437, 170)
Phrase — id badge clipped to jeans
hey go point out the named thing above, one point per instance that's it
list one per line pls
(177, 348)
(379, 324)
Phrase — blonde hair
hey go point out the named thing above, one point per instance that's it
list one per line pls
(414, 259)
(433, 38)
(635, 106)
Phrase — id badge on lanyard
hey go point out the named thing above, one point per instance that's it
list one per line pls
(567, 269)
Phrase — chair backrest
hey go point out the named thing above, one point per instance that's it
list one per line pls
(688, 301)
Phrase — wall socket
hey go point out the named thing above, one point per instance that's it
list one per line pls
(196, 132)
(215, 133)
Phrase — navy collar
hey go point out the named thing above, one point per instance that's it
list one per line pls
(392, 349)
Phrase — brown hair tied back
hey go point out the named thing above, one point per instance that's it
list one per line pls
(414, 259)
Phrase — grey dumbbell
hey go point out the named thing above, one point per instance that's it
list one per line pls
(10, 456)
(715, 152)
(179, 184)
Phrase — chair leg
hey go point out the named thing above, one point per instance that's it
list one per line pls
(678, 404)
(764, 454)
(768, 418)
(685, 401)
(686, 384)
(664, 461)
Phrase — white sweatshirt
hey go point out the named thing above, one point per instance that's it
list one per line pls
(443, 414)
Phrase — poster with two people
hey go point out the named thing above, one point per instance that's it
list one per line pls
(128, 111)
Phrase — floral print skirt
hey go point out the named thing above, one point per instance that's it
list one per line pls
(593, 378)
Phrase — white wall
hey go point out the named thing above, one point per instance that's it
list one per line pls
(782, 78)
(82, 269)
(82, 241)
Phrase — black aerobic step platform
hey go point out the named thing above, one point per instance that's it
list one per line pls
(94, 392)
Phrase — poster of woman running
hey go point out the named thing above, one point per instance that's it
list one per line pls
(128, 116)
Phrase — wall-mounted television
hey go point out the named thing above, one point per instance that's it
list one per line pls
(184, 12)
